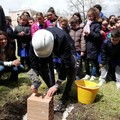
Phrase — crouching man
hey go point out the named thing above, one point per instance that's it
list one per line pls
(45, 44)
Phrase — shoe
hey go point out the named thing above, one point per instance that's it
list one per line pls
(86, 77)
(60, 107)
(118, 85)
(92, 78)
(101, 81)
(55, 71)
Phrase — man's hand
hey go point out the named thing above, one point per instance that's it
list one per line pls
(21, 33)
(54, 88)
(86, 33)
(82, 53)
(101, 65)
(16, 62)
(51, 91)
(34, 90)
(102, 32)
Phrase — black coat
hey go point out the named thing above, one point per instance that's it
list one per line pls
(23, 40)
(2, 20)
(93, 41)
(9, 56)
(63, 48)
(110, 52)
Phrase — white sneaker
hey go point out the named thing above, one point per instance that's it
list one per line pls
(92, 78)
(118, 85)
(86, 77)
(101, 81)
(55, 71)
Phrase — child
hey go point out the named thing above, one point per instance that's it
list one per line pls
(104, 31)
(31, 21)
(93, 40)
(39, 24)
(80, 45)
(112, 22)
(62, 23)
(9, 31)
(26, 13)
(118, 23)
(22, 32)
(51, 17)
(79, 19)
(111, 56)
(8, 61)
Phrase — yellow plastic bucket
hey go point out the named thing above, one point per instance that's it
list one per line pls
(86, 91)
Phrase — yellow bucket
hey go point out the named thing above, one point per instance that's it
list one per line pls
(86, 91)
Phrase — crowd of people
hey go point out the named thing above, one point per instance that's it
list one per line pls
(52, 43)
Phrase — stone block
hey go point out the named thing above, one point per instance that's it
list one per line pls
(40, 108)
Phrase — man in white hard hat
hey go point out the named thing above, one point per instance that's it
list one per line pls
(48, 42)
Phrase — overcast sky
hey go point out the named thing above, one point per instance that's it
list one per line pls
(43, 5)
(39, 5)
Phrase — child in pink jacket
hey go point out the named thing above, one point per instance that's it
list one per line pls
(39, 24)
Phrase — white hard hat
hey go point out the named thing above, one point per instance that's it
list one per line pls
(43, 42)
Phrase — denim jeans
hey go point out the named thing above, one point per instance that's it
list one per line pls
(93, 69)
(13, 69)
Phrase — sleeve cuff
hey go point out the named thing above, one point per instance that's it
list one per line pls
(9, 64)
(36, 84)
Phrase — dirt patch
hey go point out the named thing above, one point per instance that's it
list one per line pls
(14, 110)
(82, 112)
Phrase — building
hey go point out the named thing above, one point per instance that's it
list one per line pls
(15, 14)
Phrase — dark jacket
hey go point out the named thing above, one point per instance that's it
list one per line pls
(63, 48)
(9, 56)
(10, 33)
(2, 20)
(23, 40)
(93, 41)
(110, 52)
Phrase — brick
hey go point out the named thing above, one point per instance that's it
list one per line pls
(39, 108)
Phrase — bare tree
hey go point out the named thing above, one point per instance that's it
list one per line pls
(82, 6)
(117, 6)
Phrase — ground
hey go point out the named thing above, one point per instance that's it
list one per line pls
(105, 107)
(16, 110)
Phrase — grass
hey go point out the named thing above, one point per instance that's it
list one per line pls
(105, 107)
(109, 103)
